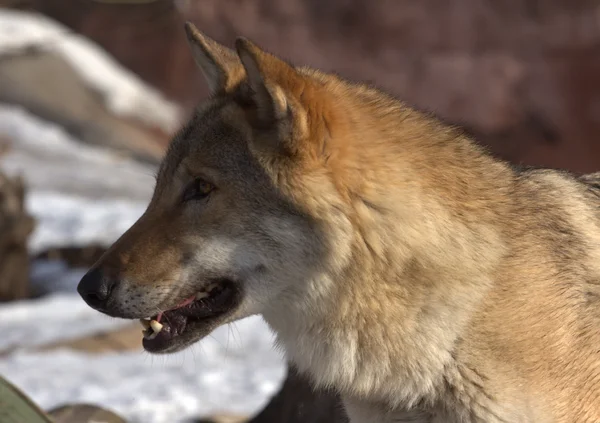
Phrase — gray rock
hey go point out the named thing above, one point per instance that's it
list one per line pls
(46, 85)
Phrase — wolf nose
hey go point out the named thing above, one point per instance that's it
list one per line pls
(95, 288)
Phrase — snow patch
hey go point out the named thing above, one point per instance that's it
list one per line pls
(51, 160)
(79, 194)
(53, 318)
(235, 369)
(72, 221)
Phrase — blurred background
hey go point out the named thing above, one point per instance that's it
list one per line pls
(92, 90)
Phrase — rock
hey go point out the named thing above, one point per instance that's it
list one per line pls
(17, 407)
(84, 413)
(47, 86)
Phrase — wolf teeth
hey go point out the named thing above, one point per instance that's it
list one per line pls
(151, 335)
(156, 326)
(205, 293)
(151, 328)
(201, 295)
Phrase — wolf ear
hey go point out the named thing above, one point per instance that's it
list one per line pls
(218, 63)
(262, 71)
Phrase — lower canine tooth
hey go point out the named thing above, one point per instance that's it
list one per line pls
(156, 327)
(152, 336)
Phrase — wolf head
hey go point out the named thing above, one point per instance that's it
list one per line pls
(242, 203)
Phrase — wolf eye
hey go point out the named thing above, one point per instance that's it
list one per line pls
(197, 190)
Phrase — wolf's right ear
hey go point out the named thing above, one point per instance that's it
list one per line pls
(219, 64)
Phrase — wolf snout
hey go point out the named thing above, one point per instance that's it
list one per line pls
(96, 288)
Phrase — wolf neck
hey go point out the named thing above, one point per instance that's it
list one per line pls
(422, 249)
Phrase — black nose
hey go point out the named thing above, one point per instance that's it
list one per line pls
(95, 288)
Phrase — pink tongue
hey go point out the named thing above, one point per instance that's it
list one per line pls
(186, 302)
(182, 304)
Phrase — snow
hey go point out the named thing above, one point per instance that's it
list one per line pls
(78, 193)
(125, 94)
(79, 221)
(235, 370)
(22, 327)
(51, 159)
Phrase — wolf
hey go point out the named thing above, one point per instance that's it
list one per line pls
(396, 260)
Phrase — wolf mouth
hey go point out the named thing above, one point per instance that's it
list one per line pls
(205, 309)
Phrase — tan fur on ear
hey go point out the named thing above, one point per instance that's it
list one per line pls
(219, 64)
(262, 71)
(276, 111)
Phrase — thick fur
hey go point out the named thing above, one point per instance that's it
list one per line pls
(395, 259)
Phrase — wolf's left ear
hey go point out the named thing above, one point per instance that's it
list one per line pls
(275, 109)
(219, 64)
(260, 66)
